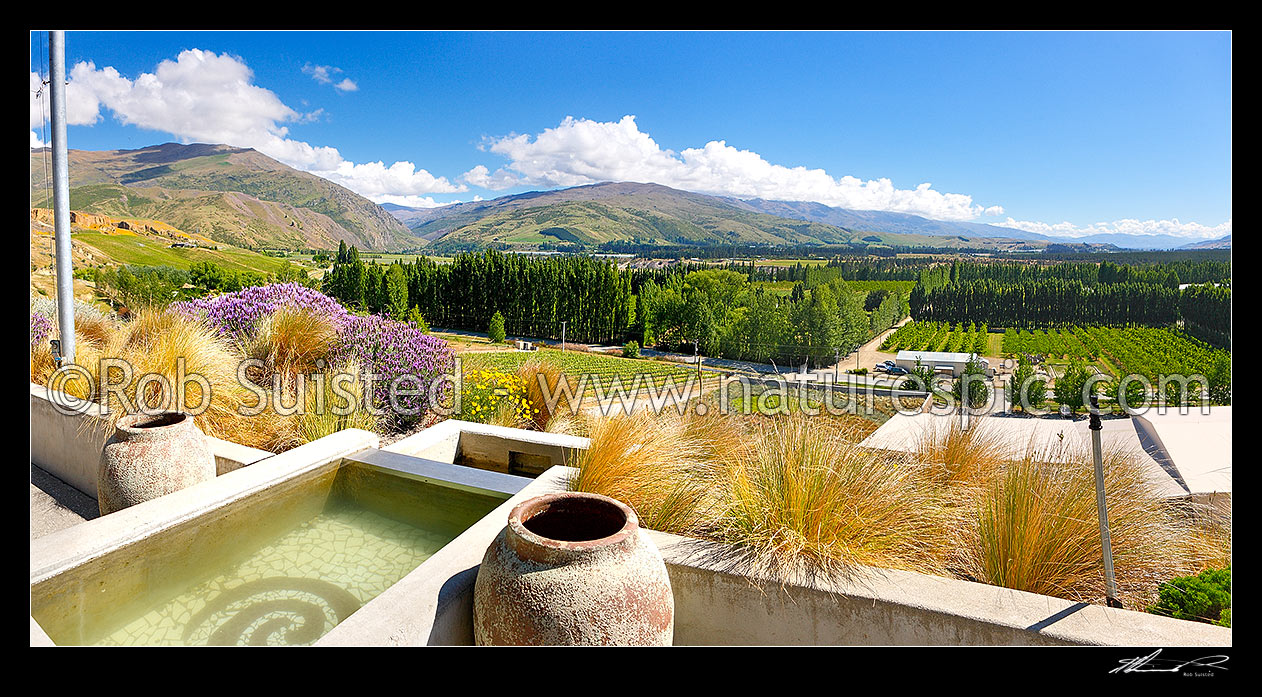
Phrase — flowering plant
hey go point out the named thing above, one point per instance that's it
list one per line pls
(237, 315)
(396, 352)
(491, 392)
(41, 327)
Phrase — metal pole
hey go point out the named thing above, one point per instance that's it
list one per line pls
(61, 192)
(1097, 453)
(563, 337)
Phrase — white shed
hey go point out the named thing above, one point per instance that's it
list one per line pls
(939, 361)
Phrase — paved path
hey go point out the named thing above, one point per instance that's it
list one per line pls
(55, 505)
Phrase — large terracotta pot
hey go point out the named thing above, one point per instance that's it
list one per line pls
(150, 456)
(573, 569)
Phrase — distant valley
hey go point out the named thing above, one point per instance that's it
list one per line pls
(241, 197)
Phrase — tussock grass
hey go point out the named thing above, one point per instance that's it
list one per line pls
(658, 465)
(1036, 529)
(953, 455)
(158, 342)
(292, 340)
(806, 499)
(327, 412)
(793, 496)
(534, 372)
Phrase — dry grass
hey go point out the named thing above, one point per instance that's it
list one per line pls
(953, 455)
(291, 340)
(536, 375)
(159, 341)
(166, 343)
(807, 499)
(1036, 529)
(658, 465)
(793, 495)
(323, 415)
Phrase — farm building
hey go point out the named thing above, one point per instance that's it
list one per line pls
(939, 361)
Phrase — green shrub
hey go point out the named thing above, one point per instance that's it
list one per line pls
(978, 390)
(416, 320)
(631, 349)
(1202, 598)
(495, 331)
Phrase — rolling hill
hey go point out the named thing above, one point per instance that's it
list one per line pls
(233, 195)
(881, 221)
(645, 214)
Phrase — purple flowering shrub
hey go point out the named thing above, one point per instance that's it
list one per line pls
(41, 327)
(237, 315)
(390, 349)
(377, 345)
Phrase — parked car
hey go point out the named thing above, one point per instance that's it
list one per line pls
(884, 366)
(897, 370)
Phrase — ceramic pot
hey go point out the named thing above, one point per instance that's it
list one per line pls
(150, 456)
(573, 569)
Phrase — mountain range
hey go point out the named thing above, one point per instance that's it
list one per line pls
(244, 198)
(234, 195)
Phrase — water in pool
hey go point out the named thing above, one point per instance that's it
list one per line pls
(293, 589)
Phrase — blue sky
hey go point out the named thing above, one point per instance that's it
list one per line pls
(1066, 133)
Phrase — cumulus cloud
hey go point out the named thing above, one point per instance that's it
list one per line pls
(206, 97)
(500, 180)
(581, 151)
(1127, 226)
(324, 74)
(414, 201)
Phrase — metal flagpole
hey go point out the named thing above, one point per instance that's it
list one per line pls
(1097, 453)
(61, 192)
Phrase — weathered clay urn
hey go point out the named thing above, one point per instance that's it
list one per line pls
(573, 569)
(151, 455)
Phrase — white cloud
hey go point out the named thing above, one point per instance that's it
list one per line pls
(411, 201)
(324, 74)
(581, 151)
(35, 141)
(1127, 226)
(206, 97)
(480, 176)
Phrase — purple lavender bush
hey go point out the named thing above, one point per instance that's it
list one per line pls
(390, 349)
(237, 315)
(41, 327)
(380, 346)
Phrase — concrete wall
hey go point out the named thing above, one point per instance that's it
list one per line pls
(716, 604)
(508, 450)
(68, 446)
(719, 603)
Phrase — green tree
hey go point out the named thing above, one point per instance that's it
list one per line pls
(1133, 395)
(495, 330)
(396, 292)
(416, 320)
(1035, 389)
(1069, 387)
(978, 392)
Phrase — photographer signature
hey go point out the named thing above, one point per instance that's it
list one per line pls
(1152, 664)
